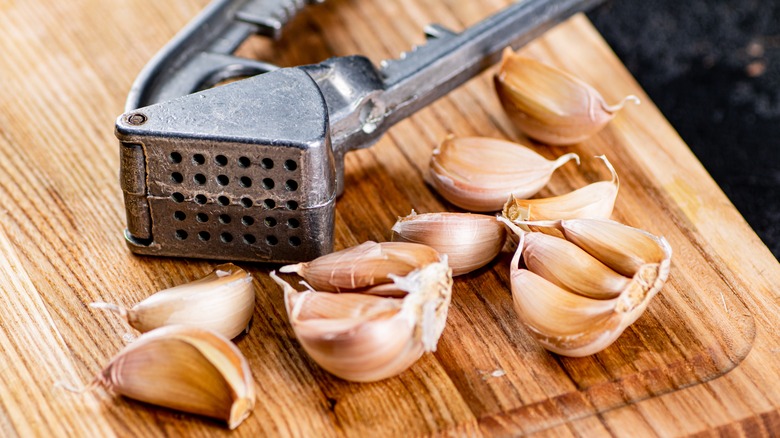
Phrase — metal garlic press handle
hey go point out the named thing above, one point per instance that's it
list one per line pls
(200, 56)
(251, 170)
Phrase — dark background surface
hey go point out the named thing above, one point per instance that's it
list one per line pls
(713, 68)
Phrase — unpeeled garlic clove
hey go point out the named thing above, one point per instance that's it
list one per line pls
(479, 174)
(365, 338)
(363, 266)
(222, 301)
(470, 241)
(187, 369)
(564, 323)
(570, 267)
(550, 105)
(596, 200)
(624, 249)
(572, 324)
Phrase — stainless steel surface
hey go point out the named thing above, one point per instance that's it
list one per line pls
(195, 171)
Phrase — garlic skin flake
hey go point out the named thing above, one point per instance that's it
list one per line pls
(470, 241)
(596, 200)
(365, 338)
(363, 266)
(558, 312)
(187, 369)
(222, 301)
(550, 105)
(479, 174)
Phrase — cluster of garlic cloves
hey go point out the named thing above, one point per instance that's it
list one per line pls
(362, 337)
(479, 174)
(596, 200)
(222, 301)
(470, 241)
(550, 105)
(187, 369)
(585, 281)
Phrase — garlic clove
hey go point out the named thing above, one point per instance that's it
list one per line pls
(389, 290)
(479, 174)
(596, 200)
(568, 266)
(222, 301)
(624, 249)
(366, 338)
(470, 241)
(312, 305)
(550, 105)
(563, 322)
(187, 369)
(363, 266)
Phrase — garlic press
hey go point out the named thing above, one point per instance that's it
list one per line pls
(251, 170)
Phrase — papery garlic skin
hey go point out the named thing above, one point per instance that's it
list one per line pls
(470, 241)
(187, 369)
(222, 301)
(596, 200)
(573, 324)
(363, 266)
(479, 174)
(550, 105)
(365, 338)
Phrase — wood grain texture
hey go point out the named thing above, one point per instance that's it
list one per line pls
(703, 359)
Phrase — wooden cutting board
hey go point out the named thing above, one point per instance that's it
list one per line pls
(703, 357)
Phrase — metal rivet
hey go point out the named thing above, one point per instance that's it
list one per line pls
(136, 119)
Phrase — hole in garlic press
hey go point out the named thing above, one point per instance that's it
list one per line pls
(223, 200)
(221, 160)
(245, 181)
(174, 157)
(177, 197)
(249, 239)
(181, 234)
(269, 204)
(291, 205)
(295, 241)
(202, 217)
(293, 223)
(179, 215)
(223, 180)
(291, 185)
(243, 162)
(270, 222)
(204, 236)
(201, 199)
(177, 177)
(267, 163)
(198, 159)
(268, 183)
(271, 240)
(247, 220)
(246, 202)
(226, 237)
(224, 219)
(199, 178)
(290, 165)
